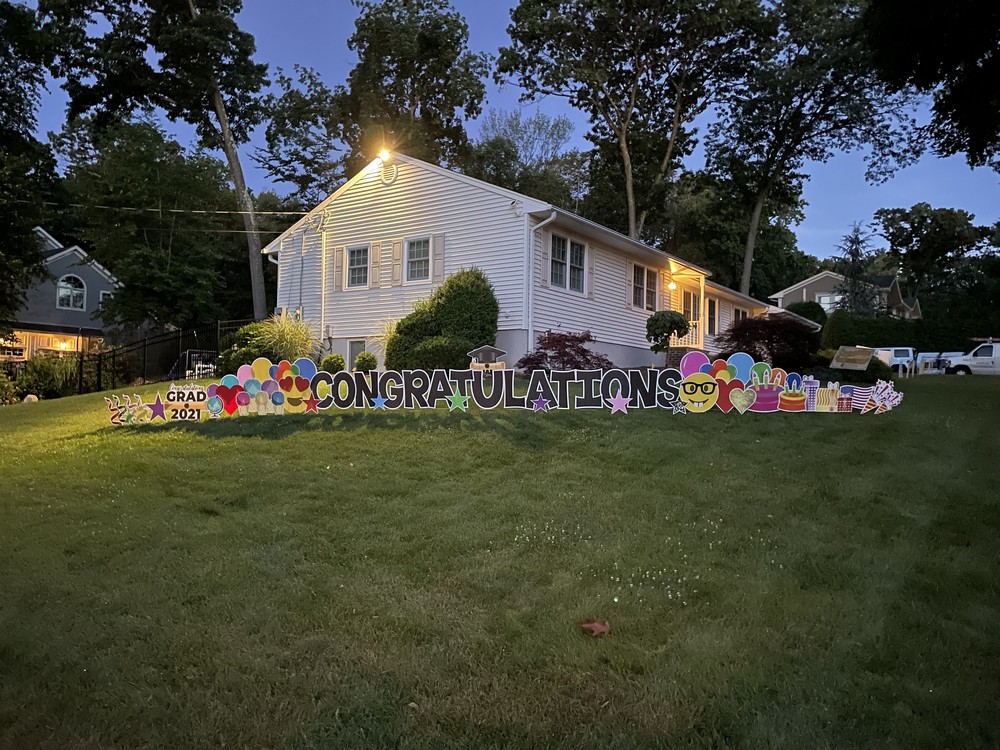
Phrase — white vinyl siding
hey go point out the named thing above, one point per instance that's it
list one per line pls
(469, 226)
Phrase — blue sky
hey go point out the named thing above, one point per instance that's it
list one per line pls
(314, 33)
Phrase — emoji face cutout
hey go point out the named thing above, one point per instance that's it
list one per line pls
(699, 392)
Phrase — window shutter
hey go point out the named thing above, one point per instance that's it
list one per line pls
(629, 282)
(437, 258)
(397, 262)
(591, 262)
(338, 268)
(375, 265)
(546, 263)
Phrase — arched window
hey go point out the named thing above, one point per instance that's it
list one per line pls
(71, 293)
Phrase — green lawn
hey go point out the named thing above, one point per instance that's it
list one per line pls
(415, 580)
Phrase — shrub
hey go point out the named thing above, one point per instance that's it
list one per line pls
(285, 337)
(8, 395)
(440, 353)
(333, 363)
(418, 325)
(48, 376)
(838, 331)
(660, 326)
(365, 362)
(466, 307)
(810, 310)
(563, 351)
(781, 340)
(230, 360)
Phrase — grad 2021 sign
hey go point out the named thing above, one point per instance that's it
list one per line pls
(738, 384)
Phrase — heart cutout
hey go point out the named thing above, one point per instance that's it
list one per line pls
(726, 387)
(228, 395)
(286, 383)
(302, 384)
(742, 399)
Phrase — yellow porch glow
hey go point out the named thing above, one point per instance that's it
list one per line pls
(384, 155)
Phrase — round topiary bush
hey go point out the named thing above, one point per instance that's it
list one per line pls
(440, 353)
(418, 325)
(838, 331)
(466, 307)
(810, 310)
(333, 363)
(365, 362)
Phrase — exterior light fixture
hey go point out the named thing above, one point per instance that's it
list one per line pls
(384, 155)
(63, 345)
(672, 285)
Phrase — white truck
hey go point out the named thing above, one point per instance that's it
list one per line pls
(983, 360)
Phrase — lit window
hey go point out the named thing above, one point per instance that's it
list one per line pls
(418, 259)
(692, 305)
(71, 293)
(357, 266)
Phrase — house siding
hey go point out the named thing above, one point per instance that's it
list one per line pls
(481, 228)
(40, 304)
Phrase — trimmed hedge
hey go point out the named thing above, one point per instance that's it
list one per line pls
(924, 335)
(418, 325)
(811, 310)
(441, 353)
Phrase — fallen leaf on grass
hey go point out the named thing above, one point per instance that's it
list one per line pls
(596, 627)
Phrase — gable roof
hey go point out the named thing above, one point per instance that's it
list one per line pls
(85, 261)
(804, 282)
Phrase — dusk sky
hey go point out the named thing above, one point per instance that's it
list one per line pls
(314, 33)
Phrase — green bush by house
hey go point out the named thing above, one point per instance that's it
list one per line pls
(277, 338)
(333, 363)
(810, 310)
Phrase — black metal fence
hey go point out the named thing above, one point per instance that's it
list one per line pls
(175, 355)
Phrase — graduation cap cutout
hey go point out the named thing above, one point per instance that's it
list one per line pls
(487, 358)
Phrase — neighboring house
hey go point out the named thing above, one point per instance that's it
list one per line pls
(60, 313)
(823, 286)
(392, 233)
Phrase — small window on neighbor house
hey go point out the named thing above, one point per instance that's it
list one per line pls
(713, 322)
(71, 293)
(106, 296)
(418, 259)
(357, 266)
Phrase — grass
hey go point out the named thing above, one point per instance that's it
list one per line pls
(414, 580)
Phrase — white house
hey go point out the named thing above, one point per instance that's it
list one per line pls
(390, 235)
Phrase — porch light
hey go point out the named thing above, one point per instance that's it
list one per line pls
(63, 345)
(672, 285)
(384, 155)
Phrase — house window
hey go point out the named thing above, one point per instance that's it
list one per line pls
(354, 349)
(357, 266)
(739, 314)
(829, 302)
(692, 305)
(418, 259)
(71, 293)
(567, 264)
(713, 317)
(643, 288)
(105, 296)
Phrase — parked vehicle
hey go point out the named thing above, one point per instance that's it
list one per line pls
(899, 358)
(983, 360)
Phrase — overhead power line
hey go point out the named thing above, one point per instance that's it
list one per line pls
(172, 210)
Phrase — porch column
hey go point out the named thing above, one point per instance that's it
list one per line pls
(702, 314)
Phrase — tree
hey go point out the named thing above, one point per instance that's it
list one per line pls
(145, 210)
(27, 169)
(953, 51)
(415, 83)
(858, 296)
(527, 154)
(928, 243)
(188, 58)
(635, 67)
(810, 95)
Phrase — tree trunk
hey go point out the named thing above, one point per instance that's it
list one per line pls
(243, 199)
(758, 209)
(633, 229)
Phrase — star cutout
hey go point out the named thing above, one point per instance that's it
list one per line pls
(379, 402)
(458, 401)
(540, 404)
(157, 409)
(311, 404)
(619, 403)
(679, 407)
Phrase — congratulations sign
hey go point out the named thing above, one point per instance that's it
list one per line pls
(738, 384)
